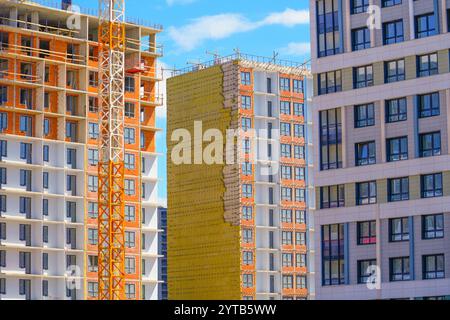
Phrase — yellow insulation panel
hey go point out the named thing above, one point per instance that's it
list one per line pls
(203, 249)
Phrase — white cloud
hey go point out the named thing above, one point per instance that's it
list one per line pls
(222, 26)
(174, 2)
(297, 49)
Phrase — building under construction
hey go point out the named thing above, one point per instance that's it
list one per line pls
(240, 229)
(49, 139)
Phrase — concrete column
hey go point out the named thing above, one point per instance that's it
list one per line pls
(373, 33)
(383, 130)
(344, 137)
(412, 33)
(437, 16)
(447, 101)
(35, 21)
(13, 15)
(444, 17)
(378, 250)
(347, 42)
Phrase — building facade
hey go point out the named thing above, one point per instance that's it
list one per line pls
(238, 224)
(381, 125)
(162, 251)
(49, 155)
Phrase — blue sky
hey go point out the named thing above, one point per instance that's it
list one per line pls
(192, 27)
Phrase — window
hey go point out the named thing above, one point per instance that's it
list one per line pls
(286, 150)
(285, 84)
(2, 259)
(247, 213)
(433, 227)
(367, 233)
(130, 135)
(297, 86)
(330, 139)
(286, 194)
(300, 195)
(71, 104)
(129, 84)
(300, 239)
(245, 78)
(93, 105)
(286, 172)
(363, 77)
(130, 213)
(394, 71)
(300, 260)
(366, 193)
(330, 82)
(397, 149)
(333, 255)
(93, 263)
(286, 216)
(360, 39)
(247, 146)
(71, 131)
(46, 127)
(431, 185)
(3, 148)
(399, 230)
(430, 144)
(26, 123)
(93, 237)
(92, 183)
(398, 189)
(130, 291)
(93, 131)
(130, 161)
(93, 79)
(286, 238)
(130, 187)
(332, 197)
(285, 108)
(92, 289)
(247, 258)
(26, 98)
(288, 282)
(425, 25)
(393, 32)
(45, 207)
(285, 129)
(130, 265)
(390, 3)
(300, 217)
(3, 121)
(130, 239)
(246, 124)
(45, 179)
(427, 65)
(328, 35)
(246, 102)
(93, 157)
(92, 210)
(396, 110)
(299, 109)
(247, 235)
(359, 6)
(364, 115)
(365, 270)
(287, 260)
(429, 105)
(433, 267)
(247, 280)
(129, 110)
(2, 230)
(247, 169)
(247, 191)
(3, 176)
(399, 269)
(365, 153)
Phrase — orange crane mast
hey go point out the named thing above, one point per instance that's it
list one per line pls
(111, 230)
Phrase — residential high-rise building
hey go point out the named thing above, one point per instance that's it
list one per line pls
(49, 154)
(238, 218)
(162, 251)
(381, 126)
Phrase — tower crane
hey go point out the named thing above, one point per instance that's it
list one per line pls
(111, 230)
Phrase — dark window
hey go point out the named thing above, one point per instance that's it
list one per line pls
(431, 185)
(365, 271)
(363, 77)
(332, 197)
(397, 149)
(425, 25)
(427, 65)
(398, 189)
(396, 110)
(433, 226)
(360, 39)
(433, 267)
(328, 28)
(399, 230)
(394, 71)
(367, 233)
(430, 144)
(297, 86)
(330, 139)
(299, 109)
(429, 105)
(330, 82)
(333, 255)
(129, 84)
(245, 78)
(390, 3)
(366, 193)
(399, 269)
(359, 6)
(285, 84)
(365, 153)
(364, 115)
(393, 32)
